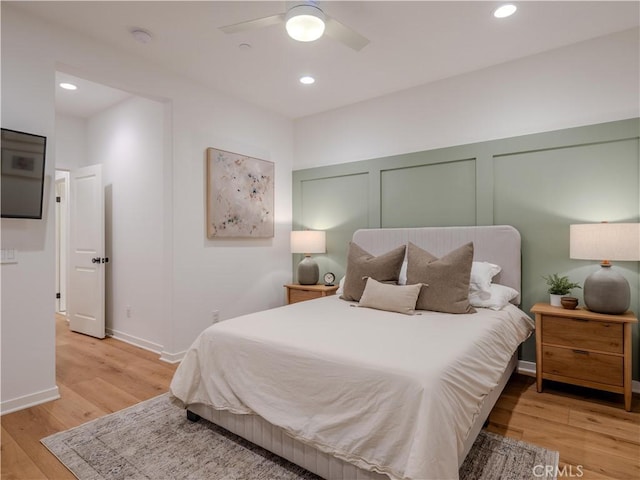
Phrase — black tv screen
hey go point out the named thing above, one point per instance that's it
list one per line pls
(22, 186)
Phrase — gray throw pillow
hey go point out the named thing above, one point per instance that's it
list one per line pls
(361, 264)
(447, 278)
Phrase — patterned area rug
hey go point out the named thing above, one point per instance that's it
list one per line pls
(154, 440)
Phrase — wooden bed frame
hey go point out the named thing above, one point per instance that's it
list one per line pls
(495, 244)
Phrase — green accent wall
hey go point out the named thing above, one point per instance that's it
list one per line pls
(538, 183)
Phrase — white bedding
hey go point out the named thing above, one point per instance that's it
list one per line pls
(391, 393)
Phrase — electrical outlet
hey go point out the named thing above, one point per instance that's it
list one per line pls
(215, 316)
(127, 310)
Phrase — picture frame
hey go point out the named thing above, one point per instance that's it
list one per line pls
(21, 163)
(240, 195)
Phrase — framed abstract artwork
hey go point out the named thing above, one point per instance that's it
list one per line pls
(240, 196)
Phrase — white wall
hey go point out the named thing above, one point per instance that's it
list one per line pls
(127, 140)
(232, 276)
(197, 274)
(28, 287)
(586, 83)
(70, 141)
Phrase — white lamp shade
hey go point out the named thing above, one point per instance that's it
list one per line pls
(308, 241)
(605, 241)
(305, 23)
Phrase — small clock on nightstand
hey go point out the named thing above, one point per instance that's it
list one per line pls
(329, 278)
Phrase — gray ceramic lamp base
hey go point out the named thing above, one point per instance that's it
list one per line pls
(607, 291)
(308, 272)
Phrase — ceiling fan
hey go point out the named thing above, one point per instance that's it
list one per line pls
(305, 22)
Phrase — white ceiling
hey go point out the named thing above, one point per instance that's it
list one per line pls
(90, 98)
(412, 43)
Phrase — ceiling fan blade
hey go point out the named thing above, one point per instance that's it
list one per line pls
(344, 34)
(254, 24)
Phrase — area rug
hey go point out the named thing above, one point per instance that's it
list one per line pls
(154, 440)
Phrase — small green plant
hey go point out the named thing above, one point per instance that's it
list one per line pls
(560, 285)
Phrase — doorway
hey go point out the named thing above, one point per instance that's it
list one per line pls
(62, 238)
(128, 139)
(75, 111)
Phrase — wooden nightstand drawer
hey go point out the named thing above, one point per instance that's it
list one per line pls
(583, 365)
(583, 334)
(296, 296)
(300, 293)
(584, 348)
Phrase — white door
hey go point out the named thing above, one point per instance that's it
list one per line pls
(87, 261)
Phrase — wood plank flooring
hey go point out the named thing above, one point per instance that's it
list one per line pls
(95, 378)
(590, 429)
(596, 437)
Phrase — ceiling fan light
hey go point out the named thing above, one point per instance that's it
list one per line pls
(305, 23)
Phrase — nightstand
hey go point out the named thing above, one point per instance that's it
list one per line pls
(584, 348)
(299, 293)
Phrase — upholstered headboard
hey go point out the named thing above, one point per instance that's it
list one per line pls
(499, 244)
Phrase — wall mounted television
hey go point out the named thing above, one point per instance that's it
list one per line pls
(22, 174)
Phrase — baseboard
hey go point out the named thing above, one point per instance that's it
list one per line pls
(172, 357)
(529, 368)
(135, 341)
(31, 400)
(146, 345)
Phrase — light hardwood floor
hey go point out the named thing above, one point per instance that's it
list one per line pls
(595, 436)
(95, 378)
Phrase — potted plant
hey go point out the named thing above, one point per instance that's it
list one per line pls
(559, 287)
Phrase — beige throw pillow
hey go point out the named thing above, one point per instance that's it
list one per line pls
(447, 279)
(391, 298)
(361, 264)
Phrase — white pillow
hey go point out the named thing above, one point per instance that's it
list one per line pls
(402, 278)
(499, 297)
(340, 290)
(480, 282)
(391, 298)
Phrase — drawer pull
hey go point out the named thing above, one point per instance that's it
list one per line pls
(581, 352)
(584, 320)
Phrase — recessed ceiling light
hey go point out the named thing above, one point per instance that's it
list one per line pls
(245, 46)
(68, 86)
(307, 80)
(505, 11)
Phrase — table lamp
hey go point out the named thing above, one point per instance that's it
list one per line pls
(606, 290)
(308, 242)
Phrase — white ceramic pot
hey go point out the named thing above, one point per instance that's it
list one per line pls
(554, 300)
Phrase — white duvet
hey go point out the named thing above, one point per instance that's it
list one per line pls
(387, 392)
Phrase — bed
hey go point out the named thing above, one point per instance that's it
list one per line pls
(361, 393)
